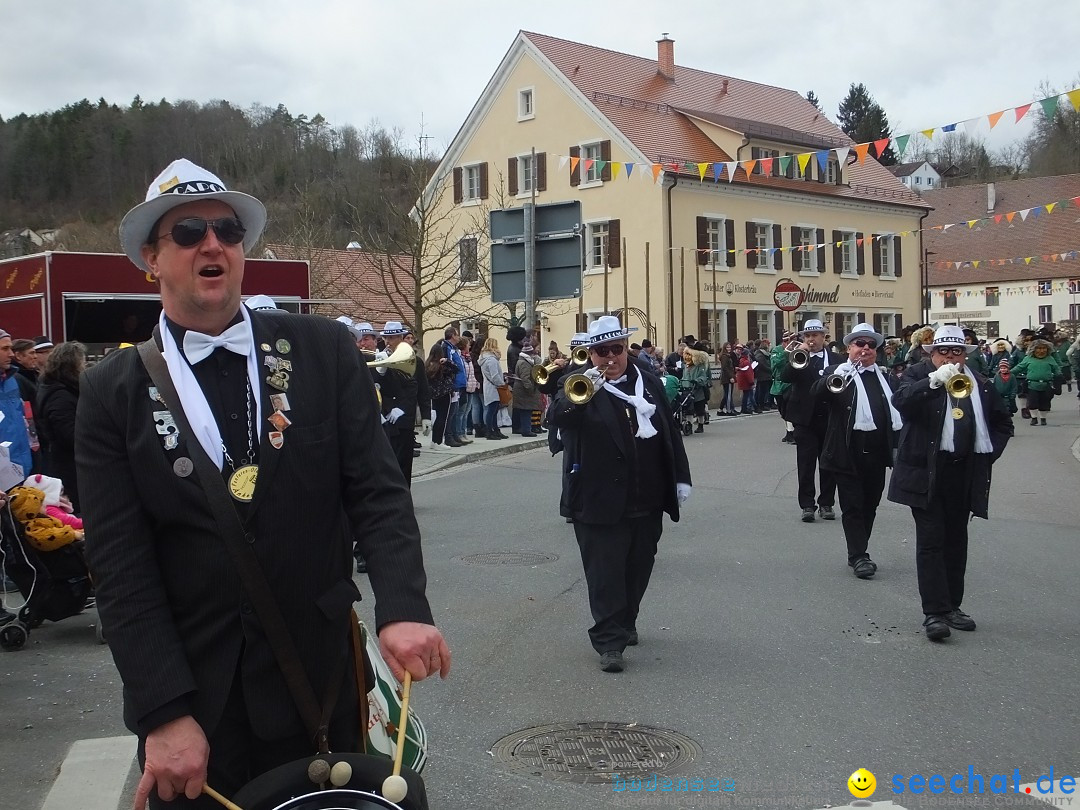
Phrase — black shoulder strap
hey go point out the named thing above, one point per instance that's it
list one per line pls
(316, 720)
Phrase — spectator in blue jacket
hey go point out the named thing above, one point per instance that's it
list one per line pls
(13, 425)
(449, 343)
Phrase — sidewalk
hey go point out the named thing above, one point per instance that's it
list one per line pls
(432, 459)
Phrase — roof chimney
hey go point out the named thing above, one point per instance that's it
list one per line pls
(991, 198)
(665, 57)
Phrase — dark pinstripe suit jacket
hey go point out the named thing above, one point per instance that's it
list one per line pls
(168, 593)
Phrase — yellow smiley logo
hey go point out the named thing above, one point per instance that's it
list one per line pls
(862, 784)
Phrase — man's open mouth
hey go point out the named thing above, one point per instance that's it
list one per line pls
(212, 271)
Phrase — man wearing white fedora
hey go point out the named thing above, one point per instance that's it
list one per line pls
(947, 448)
(625, 466)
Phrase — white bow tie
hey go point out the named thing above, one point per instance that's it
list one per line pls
(817, 354)
(237, 339)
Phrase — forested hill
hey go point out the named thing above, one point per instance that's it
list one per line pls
(84, 165)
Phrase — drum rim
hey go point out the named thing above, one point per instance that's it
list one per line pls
(337, 791)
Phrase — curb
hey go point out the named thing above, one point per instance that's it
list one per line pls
(459, 459)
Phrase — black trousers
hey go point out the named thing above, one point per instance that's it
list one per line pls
(618, 561)
(860, 495)
(401, 441)
(237, 756)
(808, 442)
(941, 538)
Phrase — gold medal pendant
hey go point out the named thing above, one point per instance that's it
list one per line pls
(242, 482)
(957, 413)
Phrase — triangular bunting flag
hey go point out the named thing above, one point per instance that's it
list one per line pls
(766, 166)
(748, 167)
(1009, 216)
(731, 165)
(975, 264)
(946, 227)
(629, 169)
(574, 163)
(1074, 97)
(1036, 211)
(1024, 214)
(656, 169)
(958, 264)
(1022, 111)
(589, 164)
(859, 242)
(615, 166)
(563, 160)
(1076, 201)
(860, 151)
(822, 160)
(881, 145)
(841, 154)
(905, 233)
(993, 118)
(701, 169)
(1027, 259)
(785, 161)
(717, 168)
(900, 142)
(1050, 207)
(971, 223)
(949, 128)
(804, 158)
(601, 165)
(929, 133)
(1049, 106)
(971, 124)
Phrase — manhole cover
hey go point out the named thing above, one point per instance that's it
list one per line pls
(508, 558)
(595, 752)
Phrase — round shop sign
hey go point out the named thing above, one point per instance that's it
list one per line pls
(788, 295)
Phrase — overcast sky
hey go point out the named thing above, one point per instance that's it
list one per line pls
(927, 62)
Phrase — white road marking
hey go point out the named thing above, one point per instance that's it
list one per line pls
(93, 775)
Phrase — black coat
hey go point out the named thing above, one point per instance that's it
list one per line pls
(924, 410)
(801, 406)
(836, 448)
(55, 419)
(599, 491)
(167, 590)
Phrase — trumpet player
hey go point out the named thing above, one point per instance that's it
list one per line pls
(859, 440)
(625, 466)
(948, 445)
(810, 420)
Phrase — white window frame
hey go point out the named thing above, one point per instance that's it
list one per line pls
(807, 236)
(1074, 312)
(592, 177)
(767, 247)
(717, 324)
(918, 180)
(526, 104)
(766, 324)
(476, 257)
(832, 172)
(887, 257)
(591, 230)
(1046, 313)
(996, 292)
(838, 321)
(849, 251)
(470, 172)
(526, 175)
(930, 182)
(716, 235)
(1045, 288)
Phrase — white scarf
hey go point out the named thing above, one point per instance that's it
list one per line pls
(982, 435)
(192, 398)
(864, 417)
(644, 408)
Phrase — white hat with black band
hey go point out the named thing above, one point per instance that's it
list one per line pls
(606, 329)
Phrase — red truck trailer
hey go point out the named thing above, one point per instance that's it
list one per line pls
(102, 299)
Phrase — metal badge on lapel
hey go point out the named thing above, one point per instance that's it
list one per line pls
(166, 427)
(277, 439)
(183, 467)
(278, 380)
(279, 420)
(264, 346)
(283, 346)
(279, 402)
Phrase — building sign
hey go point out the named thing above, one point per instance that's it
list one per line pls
(787, 295)
(953, 315)
(731, 288)
(873, 294)
(814, 297)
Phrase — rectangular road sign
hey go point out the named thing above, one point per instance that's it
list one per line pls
(558, 252)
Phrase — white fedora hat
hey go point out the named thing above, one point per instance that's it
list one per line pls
(607, 328)
(951, 336)
(260, 302)
(183, 182)
(391, 328)
(864, 330)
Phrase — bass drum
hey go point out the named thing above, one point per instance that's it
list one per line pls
(339, 800)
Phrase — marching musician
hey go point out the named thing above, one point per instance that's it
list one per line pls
(859, 439)
(282, 410)
(400, 390)
(810, 420)
(626, 467)
(947, 448)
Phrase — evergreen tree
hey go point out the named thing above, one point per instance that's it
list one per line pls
(1054, 145)
(811, 96)
(864, 120)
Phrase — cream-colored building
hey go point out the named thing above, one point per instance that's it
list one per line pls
(640, 143)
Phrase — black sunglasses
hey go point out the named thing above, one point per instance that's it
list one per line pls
(955, 351)
(614, 349)
(862, 343)
(192, 230)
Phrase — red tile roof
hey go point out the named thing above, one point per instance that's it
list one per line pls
(1054, 233)
(655, 114)
(365, 286)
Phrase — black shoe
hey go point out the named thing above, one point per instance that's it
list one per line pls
(417, 444)
(826, 513)
(416, 454)
(527, 435)
(936, 627)
(699, 429)
(1025, 413)
(789, 438)
(539, 430)
(864, 568)
(361, 565)
(1042, 421)
(1034, 421)
(632, 639)
(612, 661)
(958, 620)
(453, 443)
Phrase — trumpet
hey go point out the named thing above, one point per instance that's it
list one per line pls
(800, 357)
(403, 359)
(541, 374)
(580, 355)
(836, 383)
(959, 386)
(580, 388)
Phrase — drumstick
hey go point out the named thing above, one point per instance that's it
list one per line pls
(395, 787)
(213, 794)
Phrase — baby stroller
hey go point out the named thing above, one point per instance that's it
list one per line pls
(683, 407)
(54, 584)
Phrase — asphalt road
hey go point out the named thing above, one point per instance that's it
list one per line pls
(756, 640)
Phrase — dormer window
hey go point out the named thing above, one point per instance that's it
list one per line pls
(832, 172)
